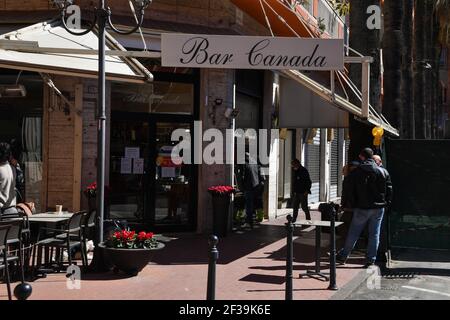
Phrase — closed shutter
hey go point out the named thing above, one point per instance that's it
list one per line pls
(312, 156)
(347, 145)
(334, 170)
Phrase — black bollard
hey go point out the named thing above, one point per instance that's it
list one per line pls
(22, 291)
(213, 256)
(289, 257)
(332, 209)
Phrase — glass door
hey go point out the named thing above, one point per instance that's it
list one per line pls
(172, 196)
(130, 151)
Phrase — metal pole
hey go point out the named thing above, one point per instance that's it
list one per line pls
(213, 256)
(332, 213)
(289, 257)
(101, 121)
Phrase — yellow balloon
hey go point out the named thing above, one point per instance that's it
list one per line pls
(377, 132)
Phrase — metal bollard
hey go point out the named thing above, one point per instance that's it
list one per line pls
(332, 212)
(213, 256)
(289, 257)
(22, 291)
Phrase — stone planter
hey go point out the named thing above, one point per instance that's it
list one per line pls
(130, 261)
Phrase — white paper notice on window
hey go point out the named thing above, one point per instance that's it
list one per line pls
(125, 165)
(132, 152)
(138, 166)
(168, 172)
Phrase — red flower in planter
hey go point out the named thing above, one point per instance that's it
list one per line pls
(91, 190)
(126, 239)
(221, 190)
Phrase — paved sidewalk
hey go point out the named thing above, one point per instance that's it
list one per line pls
(251, 266)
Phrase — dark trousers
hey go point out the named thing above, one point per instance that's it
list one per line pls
(300, 199)
(250, 197)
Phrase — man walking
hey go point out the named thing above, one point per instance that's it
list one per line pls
(7, 182)
(370, 192)
(301, 187)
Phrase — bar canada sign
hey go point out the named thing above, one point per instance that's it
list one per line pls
(242, 52)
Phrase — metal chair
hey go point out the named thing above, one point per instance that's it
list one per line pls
(4, 229)
(14, 241)
(66, 238)
(88, 224)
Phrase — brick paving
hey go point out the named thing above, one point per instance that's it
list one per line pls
(251, 266)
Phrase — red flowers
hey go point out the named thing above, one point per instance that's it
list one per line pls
(127, 239)
(91, 190)
(221, 190)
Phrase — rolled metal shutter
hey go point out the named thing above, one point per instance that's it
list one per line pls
(347, 145)
(334, 170)
(312, 156)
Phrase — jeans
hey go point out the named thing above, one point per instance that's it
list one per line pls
(250, 197)
(300, 199)
(362, 217)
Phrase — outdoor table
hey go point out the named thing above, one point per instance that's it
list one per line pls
(48, 218)
(318, 224)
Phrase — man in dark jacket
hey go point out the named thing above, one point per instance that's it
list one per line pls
(369, 194)
(250, 181)
(301, 187)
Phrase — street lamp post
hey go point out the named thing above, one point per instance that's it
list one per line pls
(102, 20)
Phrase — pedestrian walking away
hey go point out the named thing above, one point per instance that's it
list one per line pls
(301, 188)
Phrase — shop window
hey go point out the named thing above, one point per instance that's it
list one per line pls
(155, 97)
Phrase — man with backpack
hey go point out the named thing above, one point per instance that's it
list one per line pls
(369, 192)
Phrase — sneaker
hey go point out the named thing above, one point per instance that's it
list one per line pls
(369, 264)
(247, 226)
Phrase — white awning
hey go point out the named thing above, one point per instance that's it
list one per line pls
(305, 103)
(51, 35)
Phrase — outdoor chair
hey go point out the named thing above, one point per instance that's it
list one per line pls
(14, 245)
(25, 235)
(67, 238)
(3, 262)
(88, 224)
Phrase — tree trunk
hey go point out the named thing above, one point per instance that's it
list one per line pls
(436, 55)
(407, 71)
(418, 68)
(392, 59)
(367, 42)
(428, 85)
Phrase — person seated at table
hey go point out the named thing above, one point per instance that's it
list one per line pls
(7, 183)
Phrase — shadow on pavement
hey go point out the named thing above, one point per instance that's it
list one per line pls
(194, 249)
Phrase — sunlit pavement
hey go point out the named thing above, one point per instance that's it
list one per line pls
(251, 266)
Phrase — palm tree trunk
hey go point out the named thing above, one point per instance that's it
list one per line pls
(367, 42)
(418, 68)
(428, 26)
(392, 58)
(407, 71)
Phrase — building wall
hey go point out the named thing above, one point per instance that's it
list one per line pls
(215, 84)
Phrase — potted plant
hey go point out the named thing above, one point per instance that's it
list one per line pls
(221, 196)
(91, 194)
(130, 251)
